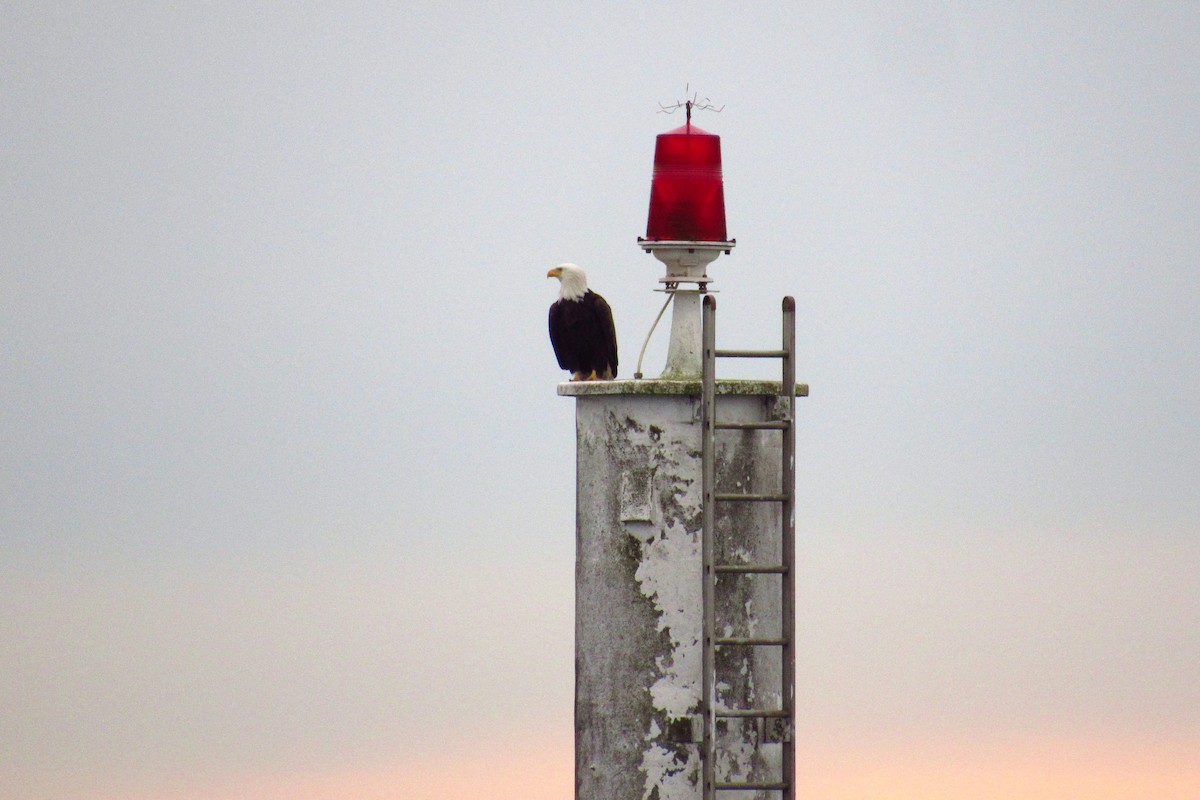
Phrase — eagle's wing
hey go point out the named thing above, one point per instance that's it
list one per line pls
(608, 334)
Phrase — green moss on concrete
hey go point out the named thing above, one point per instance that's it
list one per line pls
(658, 386)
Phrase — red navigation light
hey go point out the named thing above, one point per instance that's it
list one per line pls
(687, 195)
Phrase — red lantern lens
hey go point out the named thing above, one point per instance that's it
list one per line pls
(687, 196)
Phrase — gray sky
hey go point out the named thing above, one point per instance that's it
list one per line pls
(284, 481)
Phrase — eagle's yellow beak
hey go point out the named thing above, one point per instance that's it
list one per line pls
(555, 273)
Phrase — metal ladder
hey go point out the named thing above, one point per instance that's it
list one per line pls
(785, 497)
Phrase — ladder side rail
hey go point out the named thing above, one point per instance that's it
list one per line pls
(708, 550)
(788, 546)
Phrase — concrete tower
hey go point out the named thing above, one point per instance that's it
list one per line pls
(639, 607)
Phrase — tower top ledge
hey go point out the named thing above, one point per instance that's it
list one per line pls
(669, 387)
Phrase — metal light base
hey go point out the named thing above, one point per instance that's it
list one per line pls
(686, 263)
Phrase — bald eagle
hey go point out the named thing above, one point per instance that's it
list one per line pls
(581, 328)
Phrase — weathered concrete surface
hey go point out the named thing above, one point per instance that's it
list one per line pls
(638, 586)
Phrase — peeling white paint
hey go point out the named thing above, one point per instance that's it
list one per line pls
(751, 618)
(669, 575)
(674, 782)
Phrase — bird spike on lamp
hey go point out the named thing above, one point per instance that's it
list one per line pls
(685, 230)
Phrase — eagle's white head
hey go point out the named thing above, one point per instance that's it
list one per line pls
(573, 280)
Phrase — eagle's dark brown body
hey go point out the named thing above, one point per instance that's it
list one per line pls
(584, 338)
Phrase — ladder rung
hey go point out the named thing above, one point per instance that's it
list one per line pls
(753, 713)
(751, 569)
(768, 785)
(779, 425)
(774, 641)
(750, 353)
(751, 498)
